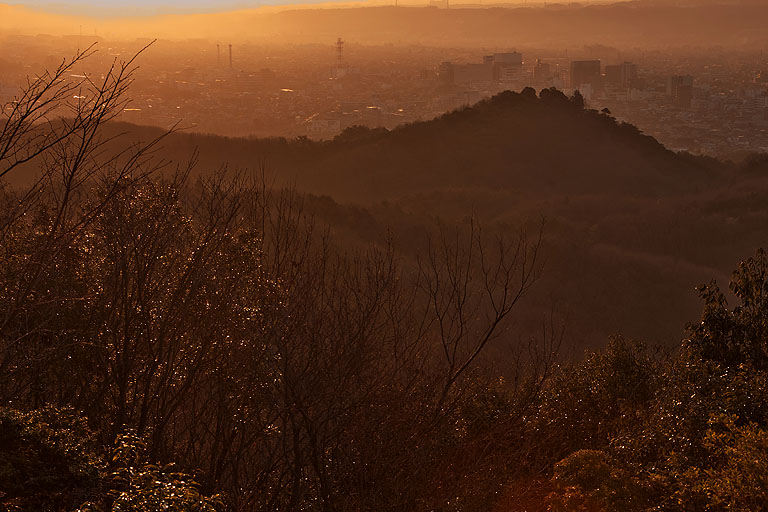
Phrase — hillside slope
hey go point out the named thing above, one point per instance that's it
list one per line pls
(546, 145)
(630, 227)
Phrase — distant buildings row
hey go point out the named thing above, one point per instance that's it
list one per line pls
(587, 76)
(499, 67)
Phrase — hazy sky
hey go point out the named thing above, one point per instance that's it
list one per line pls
(129, 7)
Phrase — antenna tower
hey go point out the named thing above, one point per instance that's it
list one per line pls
(340, 52)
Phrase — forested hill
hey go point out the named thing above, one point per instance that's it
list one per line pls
(546, 145)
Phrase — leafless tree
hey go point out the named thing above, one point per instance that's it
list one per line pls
(220, 322)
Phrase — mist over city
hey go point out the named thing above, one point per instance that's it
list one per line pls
(387, 255)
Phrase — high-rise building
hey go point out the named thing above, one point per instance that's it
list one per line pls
(680, 89)
(507, 67)
(620, 76)
(472, 73)
(585, 72)
(466, 74)
(541, 72)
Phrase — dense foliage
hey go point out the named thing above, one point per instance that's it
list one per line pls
(695, 439)
(50, 461)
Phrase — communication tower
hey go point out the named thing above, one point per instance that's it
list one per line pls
(340, 52)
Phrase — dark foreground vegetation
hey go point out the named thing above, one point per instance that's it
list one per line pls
(179, 342)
